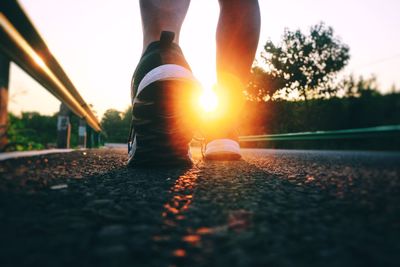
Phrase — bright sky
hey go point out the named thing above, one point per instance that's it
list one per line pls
(98, 43)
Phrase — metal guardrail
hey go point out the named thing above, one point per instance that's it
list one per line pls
(371, 132)
(21, 42)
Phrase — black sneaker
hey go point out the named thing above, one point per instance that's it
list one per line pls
(164, 93)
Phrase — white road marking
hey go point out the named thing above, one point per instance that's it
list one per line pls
(24, 154)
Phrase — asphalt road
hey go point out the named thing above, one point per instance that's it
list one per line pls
(274, 208)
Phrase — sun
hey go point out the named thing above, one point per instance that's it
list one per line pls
(208, 100)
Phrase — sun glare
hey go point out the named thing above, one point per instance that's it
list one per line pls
(208, 100)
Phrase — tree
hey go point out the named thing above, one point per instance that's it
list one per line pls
(111, 124)
(303, 65)
(361, 87)
(116, 125)
(263, 85)
(31, 130)
(126, 122)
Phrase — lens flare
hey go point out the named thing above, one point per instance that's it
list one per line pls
(208, 101)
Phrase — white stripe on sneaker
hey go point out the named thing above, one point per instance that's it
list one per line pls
(165, 72)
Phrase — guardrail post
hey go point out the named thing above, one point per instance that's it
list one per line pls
(97, 139)
(4, 79)
(90, 137)
(63, 127)
(82, 134)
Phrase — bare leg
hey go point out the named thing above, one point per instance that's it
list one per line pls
(237, 37)
(162, 15)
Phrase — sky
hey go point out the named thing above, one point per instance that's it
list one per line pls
(99, 42)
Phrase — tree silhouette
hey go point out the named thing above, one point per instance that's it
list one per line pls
(116, 125)
(361, 87)
(303, 65)
(111, 124)
(263, 85)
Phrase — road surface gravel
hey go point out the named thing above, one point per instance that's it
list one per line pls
(273, 208)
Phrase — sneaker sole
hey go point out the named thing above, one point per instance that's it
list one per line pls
(163, 119)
